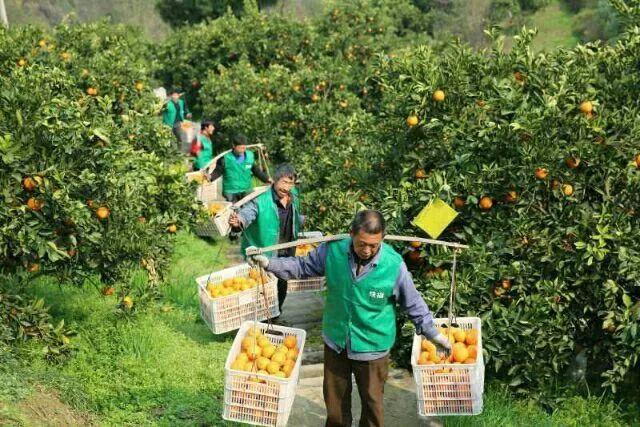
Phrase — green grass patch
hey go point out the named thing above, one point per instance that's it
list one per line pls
(555, 24)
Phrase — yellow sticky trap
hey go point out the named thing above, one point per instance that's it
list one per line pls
(435, 217)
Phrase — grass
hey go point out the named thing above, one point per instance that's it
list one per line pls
(555, 25)
(166, 368)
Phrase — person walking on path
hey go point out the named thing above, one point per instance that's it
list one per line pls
(366, 279)
(237, 169)
(271, 218)
(205, 155)
(175, 112)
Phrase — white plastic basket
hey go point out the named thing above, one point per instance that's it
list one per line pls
(224, 314)
(221, 220)
(206, 191)
(314, 284)
(258, 399)
(458, 391)
(209, 227)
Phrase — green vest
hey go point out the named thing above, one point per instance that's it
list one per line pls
(206, 153)
(265, 229)
(237, 177)
(170, 113)
(363, 309)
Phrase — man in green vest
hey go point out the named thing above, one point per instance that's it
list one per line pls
(207, 128)
(271, 218)
(175, 112)
(366, 280)
(237, 168)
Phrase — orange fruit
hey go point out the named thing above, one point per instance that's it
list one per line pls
(420, 174)
(22, 62)
(127, 301)
(139, 86)
(423, 358)
(586, 107)
(541, 173)
(344, 104)
(460, 335)
(250, 367)
(458, 202)
(290, 341)
(412, 120)
(469, 361)
(238, 365)
(243, 357)
(248, 342)
(572, 162)
(518, 76)
(473, 351)
(438, 95)
(459, 352)
(428, 346)
(279, 357)
(511, 197)
(315, 97)
(280, 374)
(567, 189)
(264, 342)
(415, 245)
(35, 204)
(292, 354)
(434, 358)
(172, 228)
(262, 362)
(637, 160)
(485, 203)
(29, 183)
(254, 352)
(273, 367)
(253, 331)
(107, 291)
(103, 212)
(262, 372)
(33, 267)
(287, 369)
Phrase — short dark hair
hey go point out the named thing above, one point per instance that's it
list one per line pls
(239, 139)
(206, 123)
(369, 221)
(285, 170)
(174, 90)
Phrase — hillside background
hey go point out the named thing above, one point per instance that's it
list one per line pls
(561, 23)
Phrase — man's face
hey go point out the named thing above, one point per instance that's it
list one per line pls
(283, 186)
(366, 245)
(239, 149)
(209, 130)
(175, 96)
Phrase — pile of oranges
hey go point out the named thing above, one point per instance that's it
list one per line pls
(303, 250)
(262, 356)
(464, 348)
(215, 208)
(237, 284)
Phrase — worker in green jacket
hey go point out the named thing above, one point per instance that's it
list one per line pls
(271, 218)
(237, 168)
(175, 112)
(205, 155)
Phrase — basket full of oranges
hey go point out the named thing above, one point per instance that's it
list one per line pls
(207, 227)
(312, 284)
(450, 383)
(261, 374)
(229, 297)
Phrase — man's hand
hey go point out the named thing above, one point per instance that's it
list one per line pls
(234, 220)
(441, 340)
(258, 260)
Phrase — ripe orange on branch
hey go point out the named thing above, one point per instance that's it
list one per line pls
(412, 120)
(438, 95)
(541, 173)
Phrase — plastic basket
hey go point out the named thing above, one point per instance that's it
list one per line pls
(458, 391)
(256, 399)
(314, 284)
(224, 314)
(206, 191)
(221, 220)
(209, 228)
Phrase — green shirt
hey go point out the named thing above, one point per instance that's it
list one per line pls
(171, 114)
(237, 177)
(206, 153)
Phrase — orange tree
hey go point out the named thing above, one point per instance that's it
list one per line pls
(350, 31)
(88, 175)
(538, 152)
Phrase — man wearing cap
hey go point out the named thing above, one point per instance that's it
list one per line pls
(237, 168)
(175, 112)
(366, 280)
(271, 218)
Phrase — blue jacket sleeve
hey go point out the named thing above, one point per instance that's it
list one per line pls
(412, 302)
(312, 265)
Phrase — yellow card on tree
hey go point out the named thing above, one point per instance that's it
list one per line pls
(435, 217)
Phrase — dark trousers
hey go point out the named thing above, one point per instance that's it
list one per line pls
(282, 292)
(370, 378)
